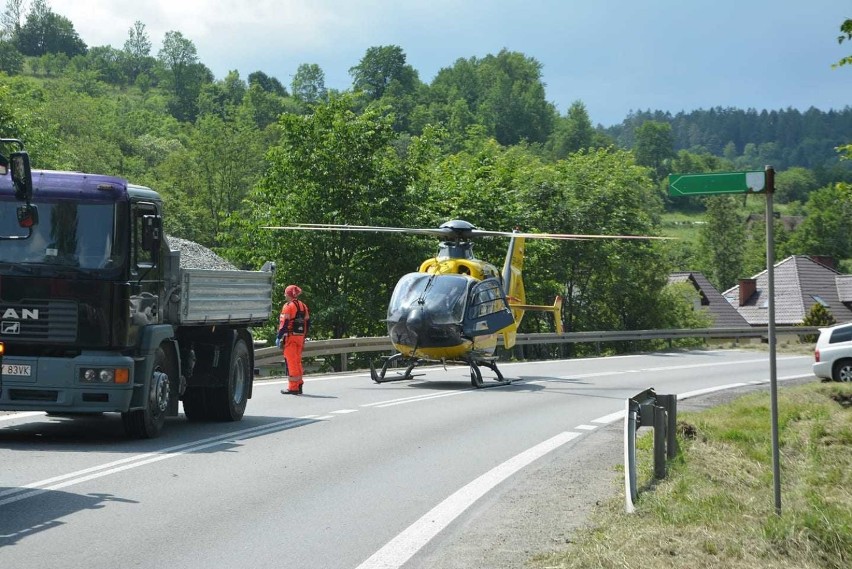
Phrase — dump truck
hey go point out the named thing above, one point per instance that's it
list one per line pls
(99, 313)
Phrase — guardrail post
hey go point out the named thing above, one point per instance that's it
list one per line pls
(660, 424)
(669, 403)
(652, 410)
(631, 490)
(344, 360)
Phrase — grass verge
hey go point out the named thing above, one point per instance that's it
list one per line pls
(716, 507)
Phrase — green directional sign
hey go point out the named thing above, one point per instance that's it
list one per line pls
(717, 183)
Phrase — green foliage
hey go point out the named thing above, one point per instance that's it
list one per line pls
(684, 307)
(308, 84)
(795, 184)
(381, 67)
(44, 32)
(11, 60)
(721, 242)
(825, 229)
(335, 166)
(654, 147)
(820, 316)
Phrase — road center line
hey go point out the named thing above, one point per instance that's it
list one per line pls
(401, 548)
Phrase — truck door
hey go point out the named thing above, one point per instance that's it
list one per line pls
(145, 267)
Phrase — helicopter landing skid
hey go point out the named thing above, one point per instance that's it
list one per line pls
(476, 374)
(380, 377)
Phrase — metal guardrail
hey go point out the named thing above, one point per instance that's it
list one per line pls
(652, 410)
(272, 355)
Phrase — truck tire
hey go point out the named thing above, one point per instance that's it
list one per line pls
(195, 405)
(229, 402)
(147, 423)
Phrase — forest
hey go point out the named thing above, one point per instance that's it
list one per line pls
(479, 142)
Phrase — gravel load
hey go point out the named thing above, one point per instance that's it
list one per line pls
(195, 256)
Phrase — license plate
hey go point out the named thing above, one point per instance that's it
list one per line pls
(15, 369)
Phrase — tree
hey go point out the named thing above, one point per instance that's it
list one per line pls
(47, 32)
(846, 34)
(379, 67)
(335, 166)
(721, 242)
(606, 284)
(308, 85)
(654, 147)
(11, 19)
(11, 60)
(572, 133)
(180, 59)
(825, 229)
(794, 184)
(819, 316)
(137, 51)
(267, 83)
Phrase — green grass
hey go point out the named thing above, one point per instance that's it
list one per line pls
(716, 507)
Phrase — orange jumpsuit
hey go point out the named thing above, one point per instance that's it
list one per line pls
(293, 343)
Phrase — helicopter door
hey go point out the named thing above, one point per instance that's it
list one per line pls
(487, 310)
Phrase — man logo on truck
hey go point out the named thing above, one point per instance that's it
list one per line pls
(26, 314)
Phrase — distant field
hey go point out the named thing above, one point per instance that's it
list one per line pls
(683, 226)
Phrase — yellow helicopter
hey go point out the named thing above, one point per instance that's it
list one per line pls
(455, 307)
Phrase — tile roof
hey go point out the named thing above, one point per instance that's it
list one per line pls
(724, 315)
(800, 282)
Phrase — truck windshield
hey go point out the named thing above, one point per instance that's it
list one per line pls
(68, 234)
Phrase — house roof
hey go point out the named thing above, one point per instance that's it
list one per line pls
(724, 315)
(800, 282)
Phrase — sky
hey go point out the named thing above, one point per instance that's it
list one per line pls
(615, 56)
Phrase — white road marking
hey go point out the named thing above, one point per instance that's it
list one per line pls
(70, 479)
(401, 548)
(22, 415)
(344, 411)
(611, 418)
(586, 427)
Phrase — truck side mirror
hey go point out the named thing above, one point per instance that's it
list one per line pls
(27, 216)
(22, 176)
(152, 230)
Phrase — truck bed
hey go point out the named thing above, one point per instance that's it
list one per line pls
(215, 296)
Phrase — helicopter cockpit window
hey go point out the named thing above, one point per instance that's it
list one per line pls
(442, 297)
(487, 298)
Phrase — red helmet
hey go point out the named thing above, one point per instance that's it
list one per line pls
(293, 290)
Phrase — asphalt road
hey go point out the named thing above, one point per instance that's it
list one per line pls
(425, 473)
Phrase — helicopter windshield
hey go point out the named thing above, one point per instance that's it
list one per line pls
(440, 296)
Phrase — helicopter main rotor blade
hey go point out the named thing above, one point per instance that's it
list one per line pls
(454, 232)
(567, 236)
(364, 228)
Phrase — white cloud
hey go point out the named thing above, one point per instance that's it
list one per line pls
(215, 24)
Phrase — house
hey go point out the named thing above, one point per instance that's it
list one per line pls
(800, 282)
(724, 315)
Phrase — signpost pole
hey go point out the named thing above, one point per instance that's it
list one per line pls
(773, 371)
(745, 183)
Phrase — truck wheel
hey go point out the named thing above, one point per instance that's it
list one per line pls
(195, 404)
(147, 423)
(230, 401)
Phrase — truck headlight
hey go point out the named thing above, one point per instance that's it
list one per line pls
(104, 375)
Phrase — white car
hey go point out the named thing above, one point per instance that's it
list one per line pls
(833, 353)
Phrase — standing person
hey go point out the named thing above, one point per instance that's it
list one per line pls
(293, 325)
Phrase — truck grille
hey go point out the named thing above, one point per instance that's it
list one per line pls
(56, 321)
